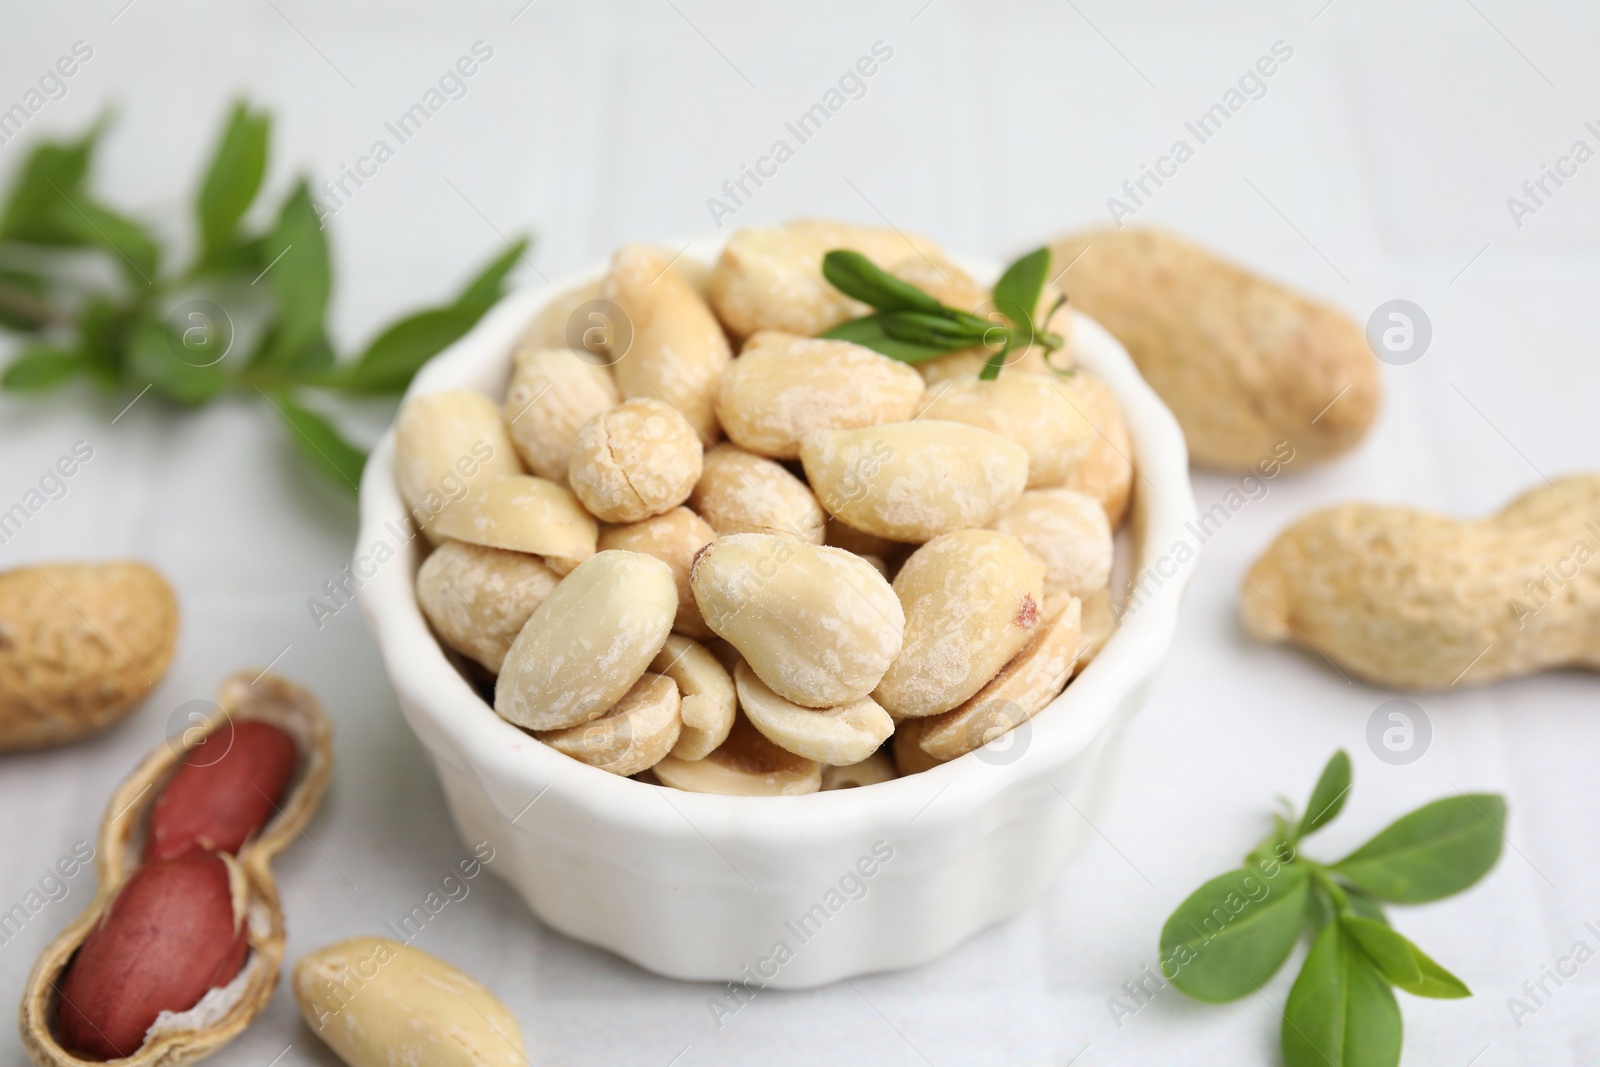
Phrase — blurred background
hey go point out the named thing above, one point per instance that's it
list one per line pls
(1377, 163)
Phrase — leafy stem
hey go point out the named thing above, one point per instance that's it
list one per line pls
(1233, 933)
(913, 326)
(190, 335)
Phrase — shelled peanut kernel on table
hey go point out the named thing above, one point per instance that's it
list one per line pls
(805, 566)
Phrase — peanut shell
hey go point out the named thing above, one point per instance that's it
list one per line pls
(80, 646)
(1244, 363)
(178, 1039)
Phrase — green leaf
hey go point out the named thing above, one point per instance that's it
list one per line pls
(1329, 795)
(156, 356)
(40, 368)
(131, 245)
(1016, 294)
(24, 306)
(1365, 906)
(321, 443)
(1340, 1012)
(102, 329)
(52, 170)
(869, 332)
(486, 289)
(932, 331)
(1225, 944)
(394, 356)
(298, 271)
(856, 276)
(996, 362)
(233, 179)
(1401, 963)
(1439, 849)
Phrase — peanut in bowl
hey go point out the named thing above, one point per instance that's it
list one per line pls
(958, 828)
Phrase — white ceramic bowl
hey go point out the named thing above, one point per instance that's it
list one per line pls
(783, 891)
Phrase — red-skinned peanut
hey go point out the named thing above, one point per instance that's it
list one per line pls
(219, 802)
(170, 935)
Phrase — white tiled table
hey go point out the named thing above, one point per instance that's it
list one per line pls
(1376, 165)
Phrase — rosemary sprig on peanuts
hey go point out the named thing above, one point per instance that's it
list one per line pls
(88, 289)
(913, 326)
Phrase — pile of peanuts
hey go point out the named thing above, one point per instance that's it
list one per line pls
(882, 566)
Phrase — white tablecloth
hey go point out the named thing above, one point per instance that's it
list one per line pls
(1375, 163)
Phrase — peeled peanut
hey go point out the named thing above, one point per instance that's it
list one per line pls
(1030, 410)
(553, 392)
(1244, 363)
(588, 642)
(782, 387)
(673, 537)
(969, 362)
(1033, 678)
(912, 481)
(639, 459)
(909, 758)
(709, 699)
(378, 1003)
(939, 278)
(633, 734)
(836, 736)
(477, 598)
(745, 765)
(1099, 623)
(1068, 531)
(1105, 471)
(80, 645)
(771, 279)
(678, 350)
(443, 444)
(971, 603)
(554, 325)
(817, 624)
(876, 768)
(743, 493)
(520, 513)
(1408, 599)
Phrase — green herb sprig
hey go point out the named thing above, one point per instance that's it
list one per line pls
(143, 326)
(912, 326)
(1233, 933)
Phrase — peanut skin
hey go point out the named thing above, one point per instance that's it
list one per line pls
(224, 791)
(1242, 362)
(1412, 600)
(170, 935)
